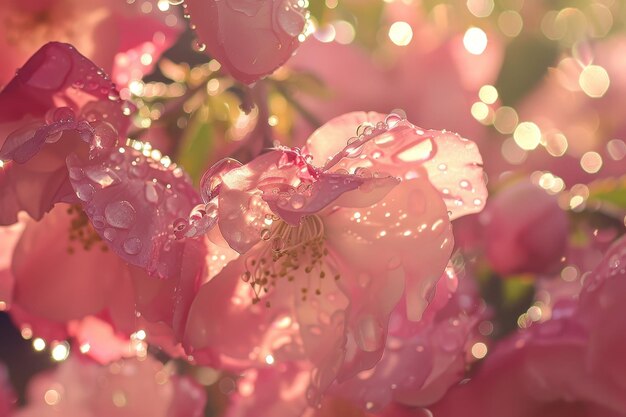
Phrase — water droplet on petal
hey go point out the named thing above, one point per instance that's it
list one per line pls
(110, 233)
(104, 177)
(212, 179)
(85, 191)
(132, 246)
(290, 19)
(151, 193)
(297, 201)
(76, 173)
(120, 214)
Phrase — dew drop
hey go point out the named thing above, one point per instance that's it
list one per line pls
(290, 19)
(104, 177)
(76, 173)
(265, 234)
(212, 178)
(132, 246)
(198, 46)
(151, 193)
(120, 214)
(109, 233)
(85, 192)
(297, 201)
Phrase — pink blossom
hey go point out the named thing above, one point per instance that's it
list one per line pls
(59, 102)
(420, 362)
(249, 38)
(570, 365)
(125, 388)
(525, 230)
(113, 34)
(122, 200)
(342, 242)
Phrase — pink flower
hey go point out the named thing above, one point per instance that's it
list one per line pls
(329, 250)
(570, 365)
(249, 38)
(420, 362)
(78, 388)
(525, 230)
(113, 34)
(64, 121)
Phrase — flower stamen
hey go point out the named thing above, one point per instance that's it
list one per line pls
(288, 249)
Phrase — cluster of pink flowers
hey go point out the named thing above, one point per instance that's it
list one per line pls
(319, 280)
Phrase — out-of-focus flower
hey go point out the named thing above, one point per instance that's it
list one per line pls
(7, 398)
(127, 388)
(62, 130)
(570, 365)
(428, 78)
(602, 301)
(249, 38)
(328, 251)
(525, 230)
(124, 38)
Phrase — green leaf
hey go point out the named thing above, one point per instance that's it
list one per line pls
(610, 191)
(197, 144)
(526, 61)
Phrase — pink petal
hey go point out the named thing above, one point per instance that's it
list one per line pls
(132, 201)
(50, 269)
(251, 39)
(141, 35)
(247, 332)
(525, 230)
(56, 100)
(8, 239)
(382, 259)
(393, 146)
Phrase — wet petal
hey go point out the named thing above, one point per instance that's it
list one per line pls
(248, 331)
(409, 228)
(390, 145)
(132, 201)
(50, 263)
(57, 101)
(250, 38)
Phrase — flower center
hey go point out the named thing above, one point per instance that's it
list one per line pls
(288, 251)
(81, 232)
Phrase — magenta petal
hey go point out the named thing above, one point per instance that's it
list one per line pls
(57, 101)
(250, 38)
(132, 201)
